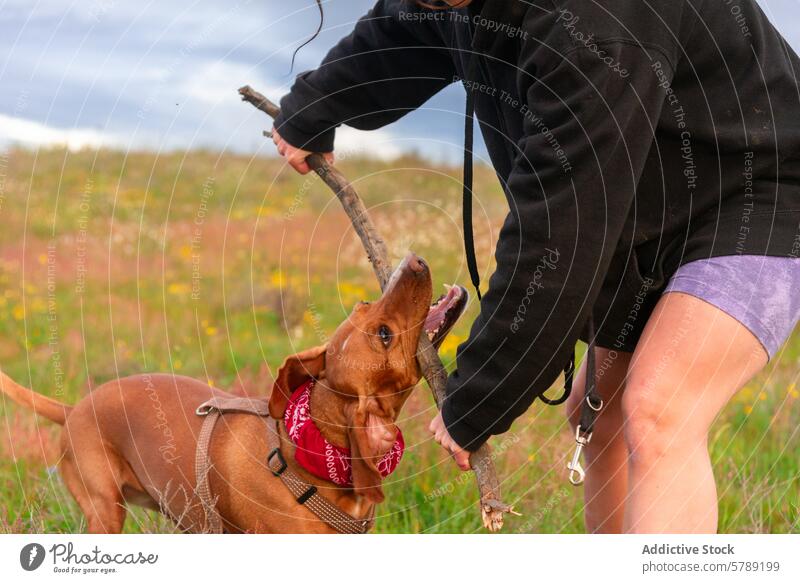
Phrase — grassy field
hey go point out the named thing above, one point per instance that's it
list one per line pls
(218, 266)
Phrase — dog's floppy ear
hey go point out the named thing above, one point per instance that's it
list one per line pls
(294, 371)
(366, 477)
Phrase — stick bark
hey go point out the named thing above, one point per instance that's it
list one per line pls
(492, 507)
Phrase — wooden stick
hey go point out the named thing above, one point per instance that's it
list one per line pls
(492, 508)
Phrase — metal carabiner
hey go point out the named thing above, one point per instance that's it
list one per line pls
(576, 471)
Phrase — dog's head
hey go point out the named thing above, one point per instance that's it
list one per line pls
(370, 361)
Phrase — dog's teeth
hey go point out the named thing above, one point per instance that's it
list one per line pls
(447, 286)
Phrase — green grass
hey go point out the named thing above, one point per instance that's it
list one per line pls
(99, 261)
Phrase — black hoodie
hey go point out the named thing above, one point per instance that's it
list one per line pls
(630, 138)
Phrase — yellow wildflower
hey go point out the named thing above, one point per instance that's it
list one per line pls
(350, 292)
(791, 388)
(265, 211)
(177, 288)
(277, 278)
(450, 344)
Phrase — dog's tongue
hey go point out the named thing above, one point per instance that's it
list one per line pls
(445, 312)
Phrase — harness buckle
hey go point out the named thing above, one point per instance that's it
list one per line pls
(576, 471)
(204, 409)
(277, 452)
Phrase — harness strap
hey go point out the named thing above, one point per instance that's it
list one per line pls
(257, 407)
(202, 467)
(305, 494)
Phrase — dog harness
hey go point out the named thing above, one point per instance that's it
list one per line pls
(317, 455)
(305, 494)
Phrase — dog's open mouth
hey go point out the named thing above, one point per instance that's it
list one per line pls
(444, 313)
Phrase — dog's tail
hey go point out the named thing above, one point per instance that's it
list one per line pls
(41, 405)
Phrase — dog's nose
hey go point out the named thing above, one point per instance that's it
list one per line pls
(417, 264)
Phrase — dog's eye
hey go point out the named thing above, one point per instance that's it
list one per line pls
(385, 334)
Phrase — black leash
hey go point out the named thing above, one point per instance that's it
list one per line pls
(466, 206)
(569, 375)
(466, 209)
(592, 403)
(590, 409)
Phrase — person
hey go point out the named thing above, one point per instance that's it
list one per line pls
(650, 156)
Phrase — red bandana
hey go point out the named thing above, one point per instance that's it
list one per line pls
(319, 456)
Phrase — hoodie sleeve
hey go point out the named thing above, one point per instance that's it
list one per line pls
(567, 214)
(392, 62)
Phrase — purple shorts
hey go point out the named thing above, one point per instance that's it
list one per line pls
(762, 293)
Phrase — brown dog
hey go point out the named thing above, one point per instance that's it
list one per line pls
(133, 440)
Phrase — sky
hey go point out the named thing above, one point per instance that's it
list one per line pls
(163, 74)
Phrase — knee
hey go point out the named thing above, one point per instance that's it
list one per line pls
(650, 424)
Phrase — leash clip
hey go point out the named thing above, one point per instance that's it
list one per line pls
(576, 471)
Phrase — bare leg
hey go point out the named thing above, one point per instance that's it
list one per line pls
(692, 358)
(606, 484)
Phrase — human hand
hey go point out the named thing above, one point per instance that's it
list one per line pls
(442, 437)
(296, 157)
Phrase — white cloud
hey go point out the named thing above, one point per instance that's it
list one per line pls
(381, 144)
(216, 82)
(16, 130)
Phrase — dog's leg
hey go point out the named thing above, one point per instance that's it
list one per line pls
(97, 489)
